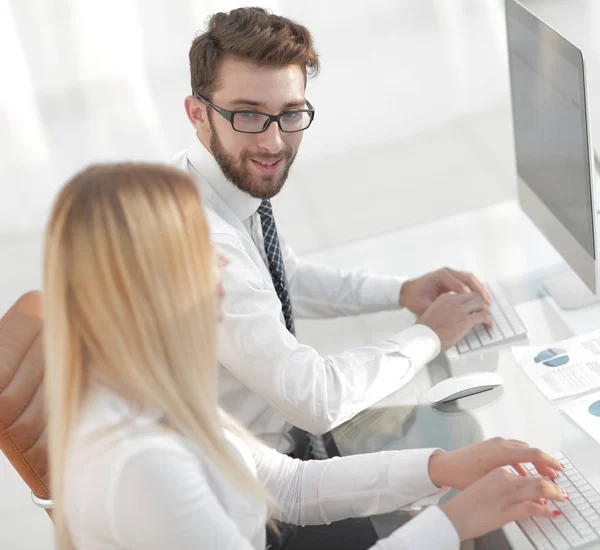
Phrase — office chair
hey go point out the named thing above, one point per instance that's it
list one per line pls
(22, 417)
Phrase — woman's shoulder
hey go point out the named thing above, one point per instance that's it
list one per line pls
(111, 432)
(114, 454)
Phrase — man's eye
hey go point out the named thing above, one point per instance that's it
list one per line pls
(292, 116)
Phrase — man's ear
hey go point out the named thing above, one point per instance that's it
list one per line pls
(196, 112)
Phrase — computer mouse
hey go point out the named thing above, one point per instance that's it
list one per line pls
(463, 385)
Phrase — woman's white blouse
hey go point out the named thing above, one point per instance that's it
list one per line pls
(137, 486)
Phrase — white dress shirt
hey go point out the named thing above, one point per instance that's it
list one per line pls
(131, 484)
(268, 377)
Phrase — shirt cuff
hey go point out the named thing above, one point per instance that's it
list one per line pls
(430, 529)
(415, 461)
(380, 293)
(419, 343)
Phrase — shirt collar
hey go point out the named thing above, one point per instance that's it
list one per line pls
(239, 202)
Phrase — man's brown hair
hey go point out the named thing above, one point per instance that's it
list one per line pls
(253, 34)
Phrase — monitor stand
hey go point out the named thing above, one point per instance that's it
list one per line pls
(568, 291)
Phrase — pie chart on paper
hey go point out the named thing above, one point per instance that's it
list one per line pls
(553, 357)
(594, 409)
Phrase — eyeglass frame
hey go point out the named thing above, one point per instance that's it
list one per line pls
(229, 115)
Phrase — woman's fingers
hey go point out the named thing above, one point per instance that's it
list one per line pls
(530, 508)
(533, 488)
(520, 469)
(545, 464)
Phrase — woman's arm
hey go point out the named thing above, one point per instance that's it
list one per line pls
(321, 491)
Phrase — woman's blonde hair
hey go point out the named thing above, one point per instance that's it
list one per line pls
(129, 294)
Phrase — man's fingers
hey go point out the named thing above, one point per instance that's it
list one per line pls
(452, 283)
(481, 318)
(473, 283)
(472, 302)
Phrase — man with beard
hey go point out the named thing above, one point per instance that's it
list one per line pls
(249, 111)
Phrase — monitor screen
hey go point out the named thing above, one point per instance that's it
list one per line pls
(550, 121)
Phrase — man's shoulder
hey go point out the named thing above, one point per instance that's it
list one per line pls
(216, 223)
(180, 160)
(221, 231)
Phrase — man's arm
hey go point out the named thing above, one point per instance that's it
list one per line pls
(312, 392)
(320, 291)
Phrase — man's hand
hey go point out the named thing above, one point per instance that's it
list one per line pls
(451, 316)
(418, 294)
(463, 467)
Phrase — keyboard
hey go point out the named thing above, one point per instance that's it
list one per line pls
(579, 524)
(507, 326)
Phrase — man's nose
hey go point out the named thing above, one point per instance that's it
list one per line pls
(271, 139)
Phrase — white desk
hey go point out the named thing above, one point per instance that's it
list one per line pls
(496, 243)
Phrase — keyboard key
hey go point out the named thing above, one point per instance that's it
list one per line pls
(567, 530)
(576, 519)
(462, 346)
(594, 519)
(505, 328)
(585, 509)
(585, 530)
(517, 325)
(473, 341)
(483, 334)
(552, 533)
(582, 485)
(495, 334)
(573, 538)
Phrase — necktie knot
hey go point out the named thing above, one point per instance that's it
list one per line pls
(265, 209)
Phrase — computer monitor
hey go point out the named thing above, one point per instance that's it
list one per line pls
(554, 156)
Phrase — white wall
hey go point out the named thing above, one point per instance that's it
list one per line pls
(88, 81)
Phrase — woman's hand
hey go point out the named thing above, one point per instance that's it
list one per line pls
(499, 498)
(465, 466)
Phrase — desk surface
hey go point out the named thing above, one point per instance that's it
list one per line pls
(496, 243)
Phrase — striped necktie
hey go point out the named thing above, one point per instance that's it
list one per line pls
(275, 262)
(277, 271)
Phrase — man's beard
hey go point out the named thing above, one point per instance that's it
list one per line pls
(267, 186)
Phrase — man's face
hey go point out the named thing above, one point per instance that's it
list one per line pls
(256, 163)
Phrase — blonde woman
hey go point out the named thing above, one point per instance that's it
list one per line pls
(142, 458)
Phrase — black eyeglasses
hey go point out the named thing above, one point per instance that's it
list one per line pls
(255, 122)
